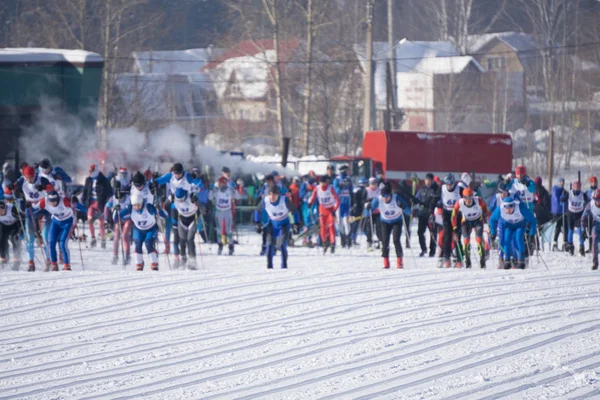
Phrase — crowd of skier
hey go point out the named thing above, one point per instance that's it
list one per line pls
(41, 206)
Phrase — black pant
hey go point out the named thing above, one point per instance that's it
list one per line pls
(467, 228)
(423, 226)
(376, 226)
(386, 231)
(447, 244)
(559, 225)
(12, 233)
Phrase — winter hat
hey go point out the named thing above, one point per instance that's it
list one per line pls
(177, 168)
(53, 196)
(386, 191)
(538, 180)
(8, 194)
(508, 202)
(28, 172)
(561, 180)
(138, 179)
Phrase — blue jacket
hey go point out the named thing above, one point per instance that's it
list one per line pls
(528, 216)
(558, 207)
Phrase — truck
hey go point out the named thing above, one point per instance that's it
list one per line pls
(406, 155)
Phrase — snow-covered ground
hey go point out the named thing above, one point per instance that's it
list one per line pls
(332, 327)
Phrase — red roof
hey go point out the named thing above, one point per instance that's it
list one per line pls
(287, 48)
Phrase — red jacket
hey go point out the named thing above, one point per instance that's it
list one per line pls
(325, 192)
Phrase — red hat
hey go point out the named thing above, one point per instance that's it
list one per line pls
(520, 170)
(23, 165)
(122, 169)
(8, 194)
(222, 179)
(28, 172)
(92, 167)
(593, 179)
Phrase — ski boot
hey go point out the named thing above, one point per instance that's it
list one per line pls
(482, 262)
(447, 263)
(115, 260)
(571, 249)
(103, 244)
(127, 260)
(263, 250)
(231, 248)
(521, 264)
(67, 267)
(183, 262)
(343, 240)
(154, 266)
(595, 265)
(325, 247)
(332, 248)
(31, 266)
(440, 262)
(386, 263)
(3, 262)
(407, 244)
(54, 267)
(458, 264)
(139, 267)
(555, 247)
(176, 261)
(220, 249)
(48, 264)
(507, 264)
(93, 243)
(399, 263)
(582, 251)
(432, 253)
(422, 253)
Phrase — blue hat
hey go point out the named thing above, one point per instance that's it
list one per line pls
(53, 196)
(561, 179)
(362, 181)
(508, 202)
(180, 194)
(449, 179)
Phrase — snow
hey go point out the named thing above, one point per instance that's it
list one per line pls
(31, 54)
(332, 327)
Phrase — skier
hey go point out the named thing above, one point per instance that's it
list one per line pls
(123, 225)
(145, 229)
(96, 193)
(473, 213)
(32, 188)
(343, 187)
(588, 222)
(223, 197)
(510, 222)
(187, 223)
(576, 201)
(523, 186)
(451, 192)
(593, 210)
(374, 223)
(55, 175)
(328, 205)
(392, 209)
(11, 227)
(358, 211)
(308, 211)
(427, 197)
(60, 228)
(278, 208)
(141, 187)
(559, 210)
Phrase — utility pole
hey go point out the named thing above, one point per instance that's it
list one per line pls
(392, 64)
(368, 111)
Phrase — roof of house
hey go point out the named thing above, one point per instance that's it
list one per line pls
(522, 43)
(175, 61)
(249, 48)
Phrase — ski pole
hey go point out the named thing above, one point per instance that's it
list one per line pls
(80, 252)
(121, 237)
(412, 254)
(39, 237)
(200, 241)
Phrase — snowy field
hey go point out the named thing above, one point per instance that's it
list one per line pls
(333, 327)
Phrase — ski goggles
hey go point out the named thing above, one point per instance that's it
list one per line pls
(508, 206)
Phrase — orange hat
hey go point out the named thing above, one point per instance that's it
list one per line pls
(468, 192)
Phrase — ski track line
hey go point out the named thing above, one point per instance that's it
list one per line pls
(120, 334)
(469, 334)
(213, 355)
(204, 305)
(463, 315)
(465, 367)
(367, 301)
(193, 377)
(178, 296)
(478, 390)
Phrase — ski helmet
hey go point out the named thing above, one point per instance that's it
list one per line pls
(372, 181)
(180, 194)
(362, 182)
(449, 179)
(593, 180)
(138, 179)
(53, 196)
(137, 198)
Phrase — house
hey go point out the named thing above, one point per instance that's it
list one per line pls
(435, 85)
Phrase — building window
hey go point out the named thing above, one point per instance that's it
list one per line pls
(496, 63)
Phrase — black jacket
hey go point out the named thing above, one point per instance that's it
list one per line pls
(103, 191)
(428, 196)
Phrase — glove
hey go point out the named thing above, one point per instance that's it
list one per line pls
(28, 204)
(74, 199)
(193, 198)
(296, 229)
(493, 237)
(367, 205)
(258, 228)
(117, 207)
(39, 187)
(525, 179)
